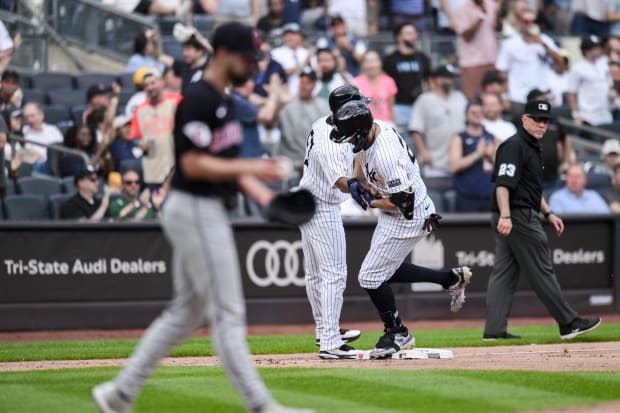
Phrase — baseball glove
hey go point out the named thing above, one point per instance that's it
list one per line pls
(291, 208)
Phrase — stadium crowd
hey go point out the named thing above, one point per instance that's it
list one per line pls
(454, 111)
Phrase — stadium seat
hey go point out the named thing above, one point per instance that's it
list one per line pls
(52, 80)
(67, 97)
(35, 95)
(56, 201)
(126, 81)
(57, 114)
(172, 48)
(437, 199)
(599, 182)
(68, 185)
(76, 113)
(85, 80)
(10, 187)
(125, 96)
(1, 210)
(26, 207)
(40, 185)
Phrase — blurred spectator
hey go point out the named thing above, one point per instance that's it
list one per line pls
(147, 53)
(354, 13)
(437, 116)
(589, 84)
(560, 15)
(296, 119)
(590, 17)
(510, 23)
(134, 205)
(558, 81)
(410, 69)
(266, 67)
(243, 11)
(314, 14)
(173, 81)
(36, 130)
(97, 96)
(613, 17)
(11, 95)
(117, 141)
(344, 44)
(4, 131)
(526, 59)
(153, 123)
(195, 48)
(292, 55)
(378, 86)
(274, 18)
(557, 147)
(411, 11)
(612, 48)
(331, 73)
(493, 122)
(613, 196)
(8, 46)
(445, 11)
(475, 22)
(494, 82)
(81, 138)
(471, 157)
(611, 154)
(574, 198)
(614, 94)
(140, 95)
(178, 8)
(84, 206)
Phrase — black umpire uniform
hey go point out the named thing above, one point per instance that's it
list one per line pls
(523, 249)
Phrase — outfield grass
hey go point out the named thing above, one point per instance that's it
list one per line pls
(284, 344)
(205, 389)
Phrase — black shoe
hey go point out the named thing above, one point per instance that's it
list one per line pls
(578, 327)
(503, 336)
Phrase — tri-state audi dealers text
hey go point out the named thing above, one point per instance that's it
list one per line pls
(84, 267)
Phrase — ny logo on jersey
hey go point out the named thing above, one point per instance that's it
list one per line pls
(372, 175)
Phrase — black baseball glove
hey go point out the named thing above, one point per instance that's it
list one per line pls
(291, 208)
(431, 223)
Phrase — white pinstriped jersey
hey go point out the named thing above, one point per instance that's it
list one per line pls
(325, 162)
(389, 165)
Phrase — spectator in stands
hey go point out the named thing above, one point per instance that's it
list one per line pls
(471, 157)
(613, 196)
(590, 17)
(510, 23)
(354, 12)
(344, 44)
(134, 205)
(177, 8)
(173, 82)
(495, 83)
(331, 73)
(610, 154)
(117, 141)
(437, 116)
(410, 69)
(81, 138)
(153, 124)
(36, 130)
(292, 55)
(194, 57)
(614, 92)
(147, 53)
(274, 19)
(11, 95)
(296, 119)
(4, 131)
(140, 95)
(612, 48)
(574, 198)
(445, 11)
(243, 11)
(266, 67)
(378, 86)
(8, 46)
(558, 81)
(526, 60)
(411, 11)
(84, 205)
(493, 122)
(97, 96)
(588, 85)
(475, 22)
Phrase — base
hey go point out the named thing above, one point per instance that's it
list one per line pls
(415, 353)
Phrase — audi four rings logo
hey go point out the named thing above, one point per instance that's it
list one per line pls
(276, 254)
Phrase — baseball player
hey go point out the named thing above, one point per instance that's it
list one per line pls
(206, 276)
(390, 179)
(327, 168)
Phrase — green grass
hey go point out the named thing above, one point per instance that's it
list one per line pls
(283, 344)
(205, 389)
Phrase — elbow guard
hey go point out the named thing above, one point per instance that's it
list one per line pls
(404, 201)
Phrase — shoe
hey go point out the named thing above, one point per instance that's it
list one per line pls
(504, 336)
(343, 352)
(109, 400)
(275, 407)
(346, 335)
(391, 342)
(457, 290)
(578, 327)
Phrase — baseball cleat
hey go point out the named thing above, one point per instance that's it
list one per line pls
(343, 352)
(275, 407)
(346, 335)
(578, 327)
(391, 342)
(503, 336)
(109, 400)
(457, 290)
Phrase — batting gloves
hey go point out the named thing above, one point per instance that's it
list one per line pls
(360, 194)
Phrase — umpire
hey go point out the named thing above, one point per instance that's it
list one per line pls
(521, 245)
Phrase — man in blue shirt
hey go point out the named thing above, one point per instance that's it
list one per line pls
(574, 198)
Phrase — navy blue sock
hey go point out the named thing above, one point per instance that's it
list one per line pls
(411, 273)
(383, 299)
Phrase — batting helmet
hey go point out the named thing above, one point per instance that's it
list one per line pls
(342, 95)
(352, 120)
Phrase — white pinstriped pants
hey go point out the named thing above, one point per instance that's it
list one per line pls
(324, 246)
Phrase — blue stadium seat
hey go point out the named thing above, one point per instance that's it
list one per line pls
(56, 114)
(172, 48)
(35, 95)
(26, 207)
(85, 80)
(40, 185)
(599, 182)
(67, 97)
(56, 201)
(68, 185)
(126, 81)
(76, 113)
(52, 80)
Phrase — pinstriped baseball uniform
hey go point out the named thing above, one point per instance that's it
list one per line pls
(322, 238)
(389, 166)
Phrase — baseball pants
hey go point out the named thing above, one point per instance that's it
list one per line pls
(324, 246)
(207, 288)
(525, 251)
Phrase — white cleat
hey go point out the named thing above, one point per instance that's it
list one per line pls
(108, 399)
(343, 352)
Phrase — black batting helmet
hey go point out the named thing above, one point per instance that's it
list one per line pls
(352, 120)
(342, 95)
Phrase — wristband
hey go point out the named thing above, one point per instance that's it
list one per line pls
(506, 217)
(476, 155)
(546, 214)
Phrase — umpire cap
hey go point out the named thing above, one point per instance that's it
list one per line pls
(342, 95)
(352, 120)
(538, 109)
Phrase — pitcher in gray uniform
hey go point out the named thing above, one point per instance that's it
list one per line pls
(206, 275)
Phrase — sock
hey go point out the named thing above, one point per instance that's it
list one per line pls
(411, 273)
(383, 299)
